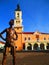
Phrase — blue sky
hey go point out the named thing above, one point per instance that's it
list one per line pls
(35, 14)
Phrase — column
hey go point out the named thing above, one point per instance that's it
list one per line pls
(32, 46)
(39, 46)
(25, 46)
(45, 47)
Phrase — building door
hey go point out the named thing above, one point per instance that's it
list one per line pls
(35, 46)
(42, 46)
(23, 46)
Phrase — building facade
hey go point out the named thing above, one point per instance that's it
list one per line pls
(29, 40)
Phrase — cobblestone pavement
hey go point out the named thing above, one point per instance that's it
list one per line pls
(28, 58)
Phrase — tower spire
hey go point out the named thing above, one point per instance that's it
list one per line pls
(18, 8)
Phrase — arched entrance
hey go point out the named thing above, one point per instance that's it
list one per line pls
(42, 46)
(29, 46)
(35, 47)
(47, 46)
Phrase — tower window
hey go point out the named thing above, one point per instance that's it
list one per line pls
(17, 21)
(18, 28)
(17, 14)
(16, 47)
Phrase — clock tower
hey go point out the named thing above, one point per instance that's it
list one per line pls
(18, 27)
(18, 19)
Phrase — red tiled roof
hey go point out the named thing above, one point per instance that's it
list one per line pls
(27, 32)
(30, 33)
(33, 33)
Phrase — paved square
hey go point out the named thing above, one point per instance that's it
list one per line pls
(28, 58)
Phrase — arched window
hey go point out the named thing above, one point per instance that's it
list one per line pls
(28, 38)
(44, 38)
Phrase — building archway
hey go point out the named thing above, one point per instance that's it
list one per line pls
(47, 46)
(35, 47)
(29, 46)
(42, 46)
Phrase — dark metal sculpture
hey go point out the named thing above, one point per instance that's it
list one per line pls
(9, 42)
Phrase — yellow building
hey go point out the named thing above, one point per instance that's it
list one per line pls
(29, 40)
